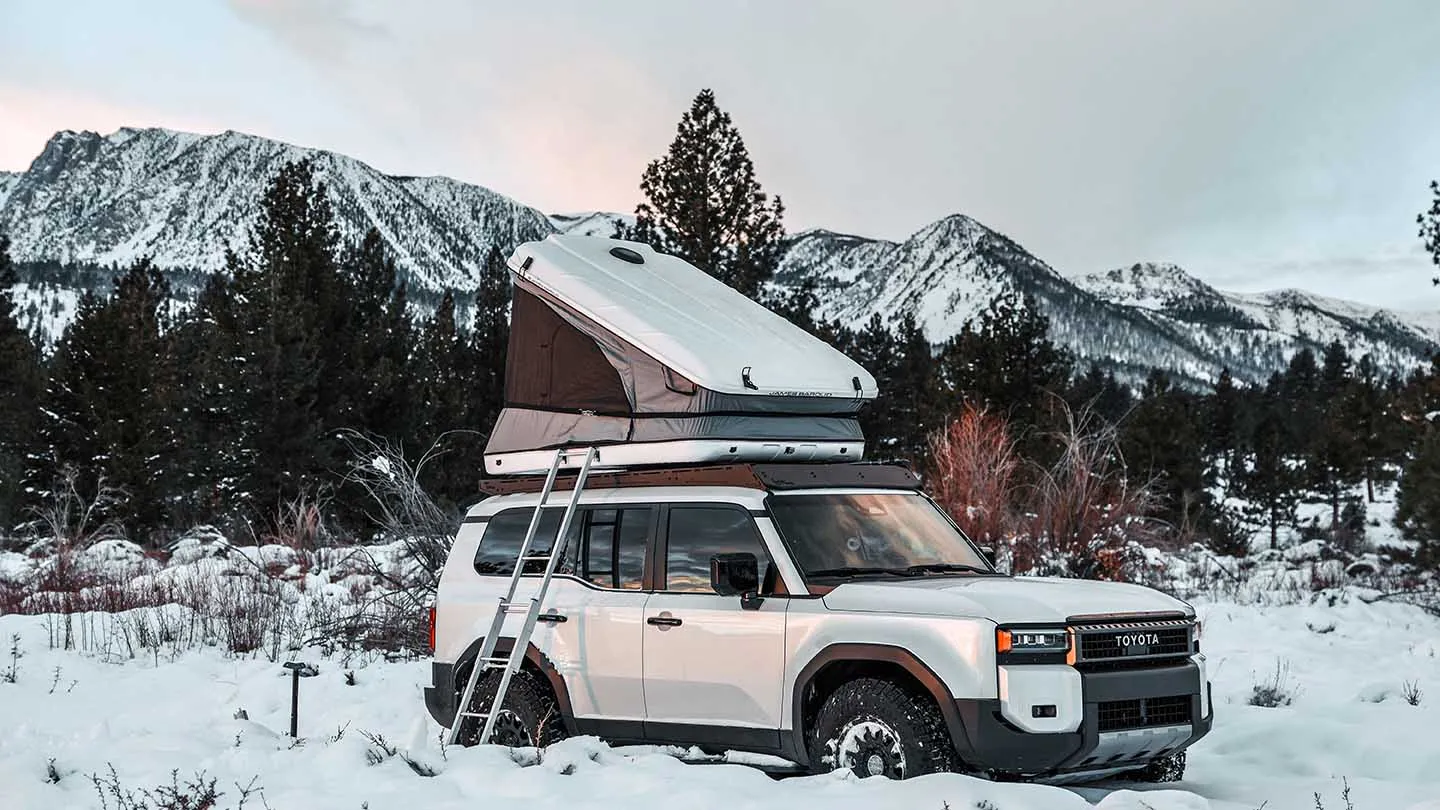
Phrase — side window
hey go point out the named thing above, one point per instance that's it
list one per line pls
(613, 555)
(697, 533)
(500, 544)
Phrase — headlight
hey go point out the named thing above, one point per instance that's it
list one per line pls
(1039, 641)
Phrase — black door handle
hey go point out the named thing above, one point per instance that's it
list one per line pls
(664, 621)
(551, 617)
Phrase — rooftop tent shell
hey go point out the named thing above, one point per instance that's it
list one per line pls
(654, 361)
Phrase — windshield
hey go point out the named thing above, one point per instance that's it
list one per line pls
(900, 532)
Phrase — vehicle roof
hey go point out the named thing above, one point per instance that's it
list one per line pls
(745, 497)
(758, 476)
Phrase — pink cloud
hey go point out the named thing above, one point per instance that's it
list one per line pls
(31, 117)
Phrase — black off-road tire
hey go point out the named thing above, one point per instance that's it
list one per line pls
(885, 729)
(530, 716)
(1164, 769)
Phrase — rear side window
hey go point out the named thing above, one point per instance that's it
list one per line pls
(504, 534)
(612, 554)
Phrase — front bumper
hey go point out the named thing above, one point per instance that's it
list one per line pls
(988, 741)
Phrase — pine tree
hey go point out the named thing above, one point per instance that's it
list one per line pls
(703, 203)
(916, 407)
(1417, 503)
(110, 403)
(490, 339)
(291, 338)
(209, 449)
(20, 386)
(446, 370)
(1099, 392)
(1429, 222)
(1162, 440)
(1223, 421)
(877, 350)
(1334, 461)
(1271, 483)
(1369, 415)
(382, 338)
(1007, 362)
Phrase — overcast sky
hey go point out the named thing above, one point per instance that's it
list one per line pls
(1259, 145)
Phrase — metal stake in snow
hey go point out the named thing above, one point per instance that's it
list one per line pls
(298, 670)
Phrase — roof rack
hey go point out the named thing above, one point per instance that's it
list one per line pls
(883, 475)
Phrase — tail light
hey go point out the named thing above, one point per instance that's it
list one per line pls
(431, 611)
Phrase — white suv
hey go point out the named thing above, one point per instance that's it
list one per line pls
(829, 614)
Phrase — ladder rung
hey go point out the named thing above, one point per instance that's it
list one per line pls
(476, 715)
(536, 558)
(497, 661)
(516, 607)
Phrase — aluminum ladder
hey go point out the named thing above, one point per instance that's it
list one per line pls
(487, 660)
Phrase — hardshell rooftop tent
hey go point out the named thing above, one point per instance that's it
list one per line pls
(653, 361)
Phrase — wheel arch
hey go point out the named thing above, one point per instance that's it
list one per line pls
(838, 663)
(535, 660)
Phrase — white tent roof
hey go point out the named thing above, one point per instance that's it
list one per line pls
(687, 319)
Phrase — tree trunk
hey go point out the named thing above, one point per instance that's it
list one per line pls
(1334, 511)
(1274, 526)
(1369, 483)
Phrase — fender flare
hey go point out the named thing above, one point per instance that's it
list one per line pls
(534, 656)
(871, 652)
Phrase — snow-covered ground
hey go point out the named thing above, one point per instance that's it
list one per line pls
(1345, 667)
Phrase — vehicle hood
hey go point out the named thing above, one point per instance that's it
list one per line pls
(1002, 599)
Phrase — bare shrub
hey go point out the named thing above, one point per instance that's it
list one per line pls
(1344, 796)
(69, 521)
(973, 466)
(1276, 690)
(198, 793)
(11, 673)
(1410, 690)
(299, 523)
(1083, 513)
(395, 617)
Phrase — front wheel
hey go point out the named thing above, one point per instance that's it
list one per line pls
(875, 727)
(1164, 769)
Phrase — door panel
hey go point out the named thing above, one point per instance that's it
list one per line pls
(721, 665)
(597, 590)
(597, 648)
(708, 662)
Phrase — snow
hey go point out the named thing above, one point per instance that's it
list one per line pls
(1345, 661)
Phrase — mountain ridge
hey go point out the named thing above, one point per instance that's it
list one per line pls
(182, 197)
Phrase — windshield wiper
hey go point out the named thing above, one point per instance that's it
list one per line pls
(851, 571)
(942, 568)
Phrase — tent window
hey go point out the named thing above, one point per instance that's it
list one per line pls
(552, 364)
(679, 383)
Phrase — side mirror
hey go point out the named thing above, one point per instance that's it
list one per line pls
(736, 574)
(988, 552)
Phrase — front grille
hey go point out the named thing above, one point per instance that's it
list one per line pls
(1128, 641)
(1119, 715)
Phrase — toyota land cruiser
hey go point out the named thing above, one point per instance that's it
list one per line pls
(829, 614)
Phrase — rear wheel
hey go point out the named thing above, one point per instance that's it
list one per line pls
(529, 717)
(875, 727)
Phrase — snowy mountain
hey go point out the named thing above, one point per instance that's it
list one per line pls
(182, 198)
(591, 223)
(1130, 321)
